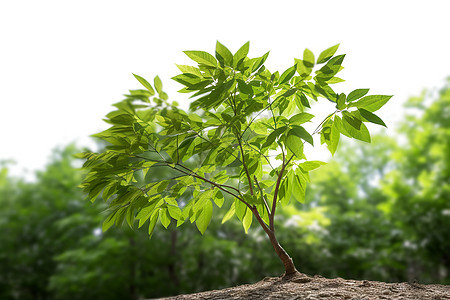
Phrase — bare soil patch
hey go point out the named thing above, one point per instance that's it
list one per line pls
(317, 287)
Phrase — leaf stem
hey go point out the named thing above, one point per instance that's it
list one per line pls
(326, 119)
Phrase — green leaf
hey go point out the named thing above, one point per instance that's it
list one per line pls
(356, 94)
(174, 212)
(287, 75)
(229, 214)
(146, 212)
(244, 87)
(335, 80)
(153, 220)
(284, 193)
(308, 58)
(259, 62)
(300, 118)
(311, 165)
(130, 216)
(204, 217)
(371, 103)
(189, 70)
(362, 134)
(109, 222)
(297, 185)
(352, 120)
(223, 55)
(219, 199)
(191, 81)
(240, 208)
(247, 221)
(328, 71)
(294, 143)
(187, 211)
(327, 54)
(371, 117)
(204, 198)
(162, 185)
(302, 133)
(202, 57)
(145, 84)
(273, 135)
(289, 92)
(340, 126)
(326, 91)
(96, 189)
(241, 54)
(302, 70)
(304, 100)
(341, 102)
(109, 190)
(195, 118)
(158, 84)
(334, 138)
(165, 217)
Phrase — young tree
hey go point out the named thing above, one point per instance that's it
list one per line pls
(241, 141)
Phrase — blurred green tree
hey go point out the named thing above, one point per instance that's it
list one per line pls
(418, 189)
(29, 238)
(388, 204)
(356, 243)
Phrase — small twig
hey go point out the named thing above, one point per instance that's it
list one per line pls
(224, 185)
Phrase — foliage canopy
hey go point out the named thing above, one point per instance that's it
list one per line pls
(241, 141)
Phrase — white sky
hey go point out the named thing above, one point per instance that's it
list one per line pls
(63, 63)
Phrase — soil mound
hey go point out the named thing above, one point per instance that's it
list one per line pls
(305, 287)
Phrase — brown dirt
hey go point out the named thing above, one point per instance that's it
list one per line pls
(317, 287)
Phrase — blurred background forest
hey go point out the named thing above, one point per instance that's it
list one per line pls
(377, 211)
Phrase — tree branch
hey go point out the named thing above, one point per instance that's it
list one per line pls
(219, 186)
(224, 185)
(262, 195)
(260, 221)
(275, 195)
(245, 166)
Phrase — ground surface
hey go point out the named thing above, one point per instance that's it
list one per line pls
(317, 287)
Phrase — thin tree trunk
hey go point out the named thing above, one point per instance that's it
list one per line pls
(282, 254)
(287, 261)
